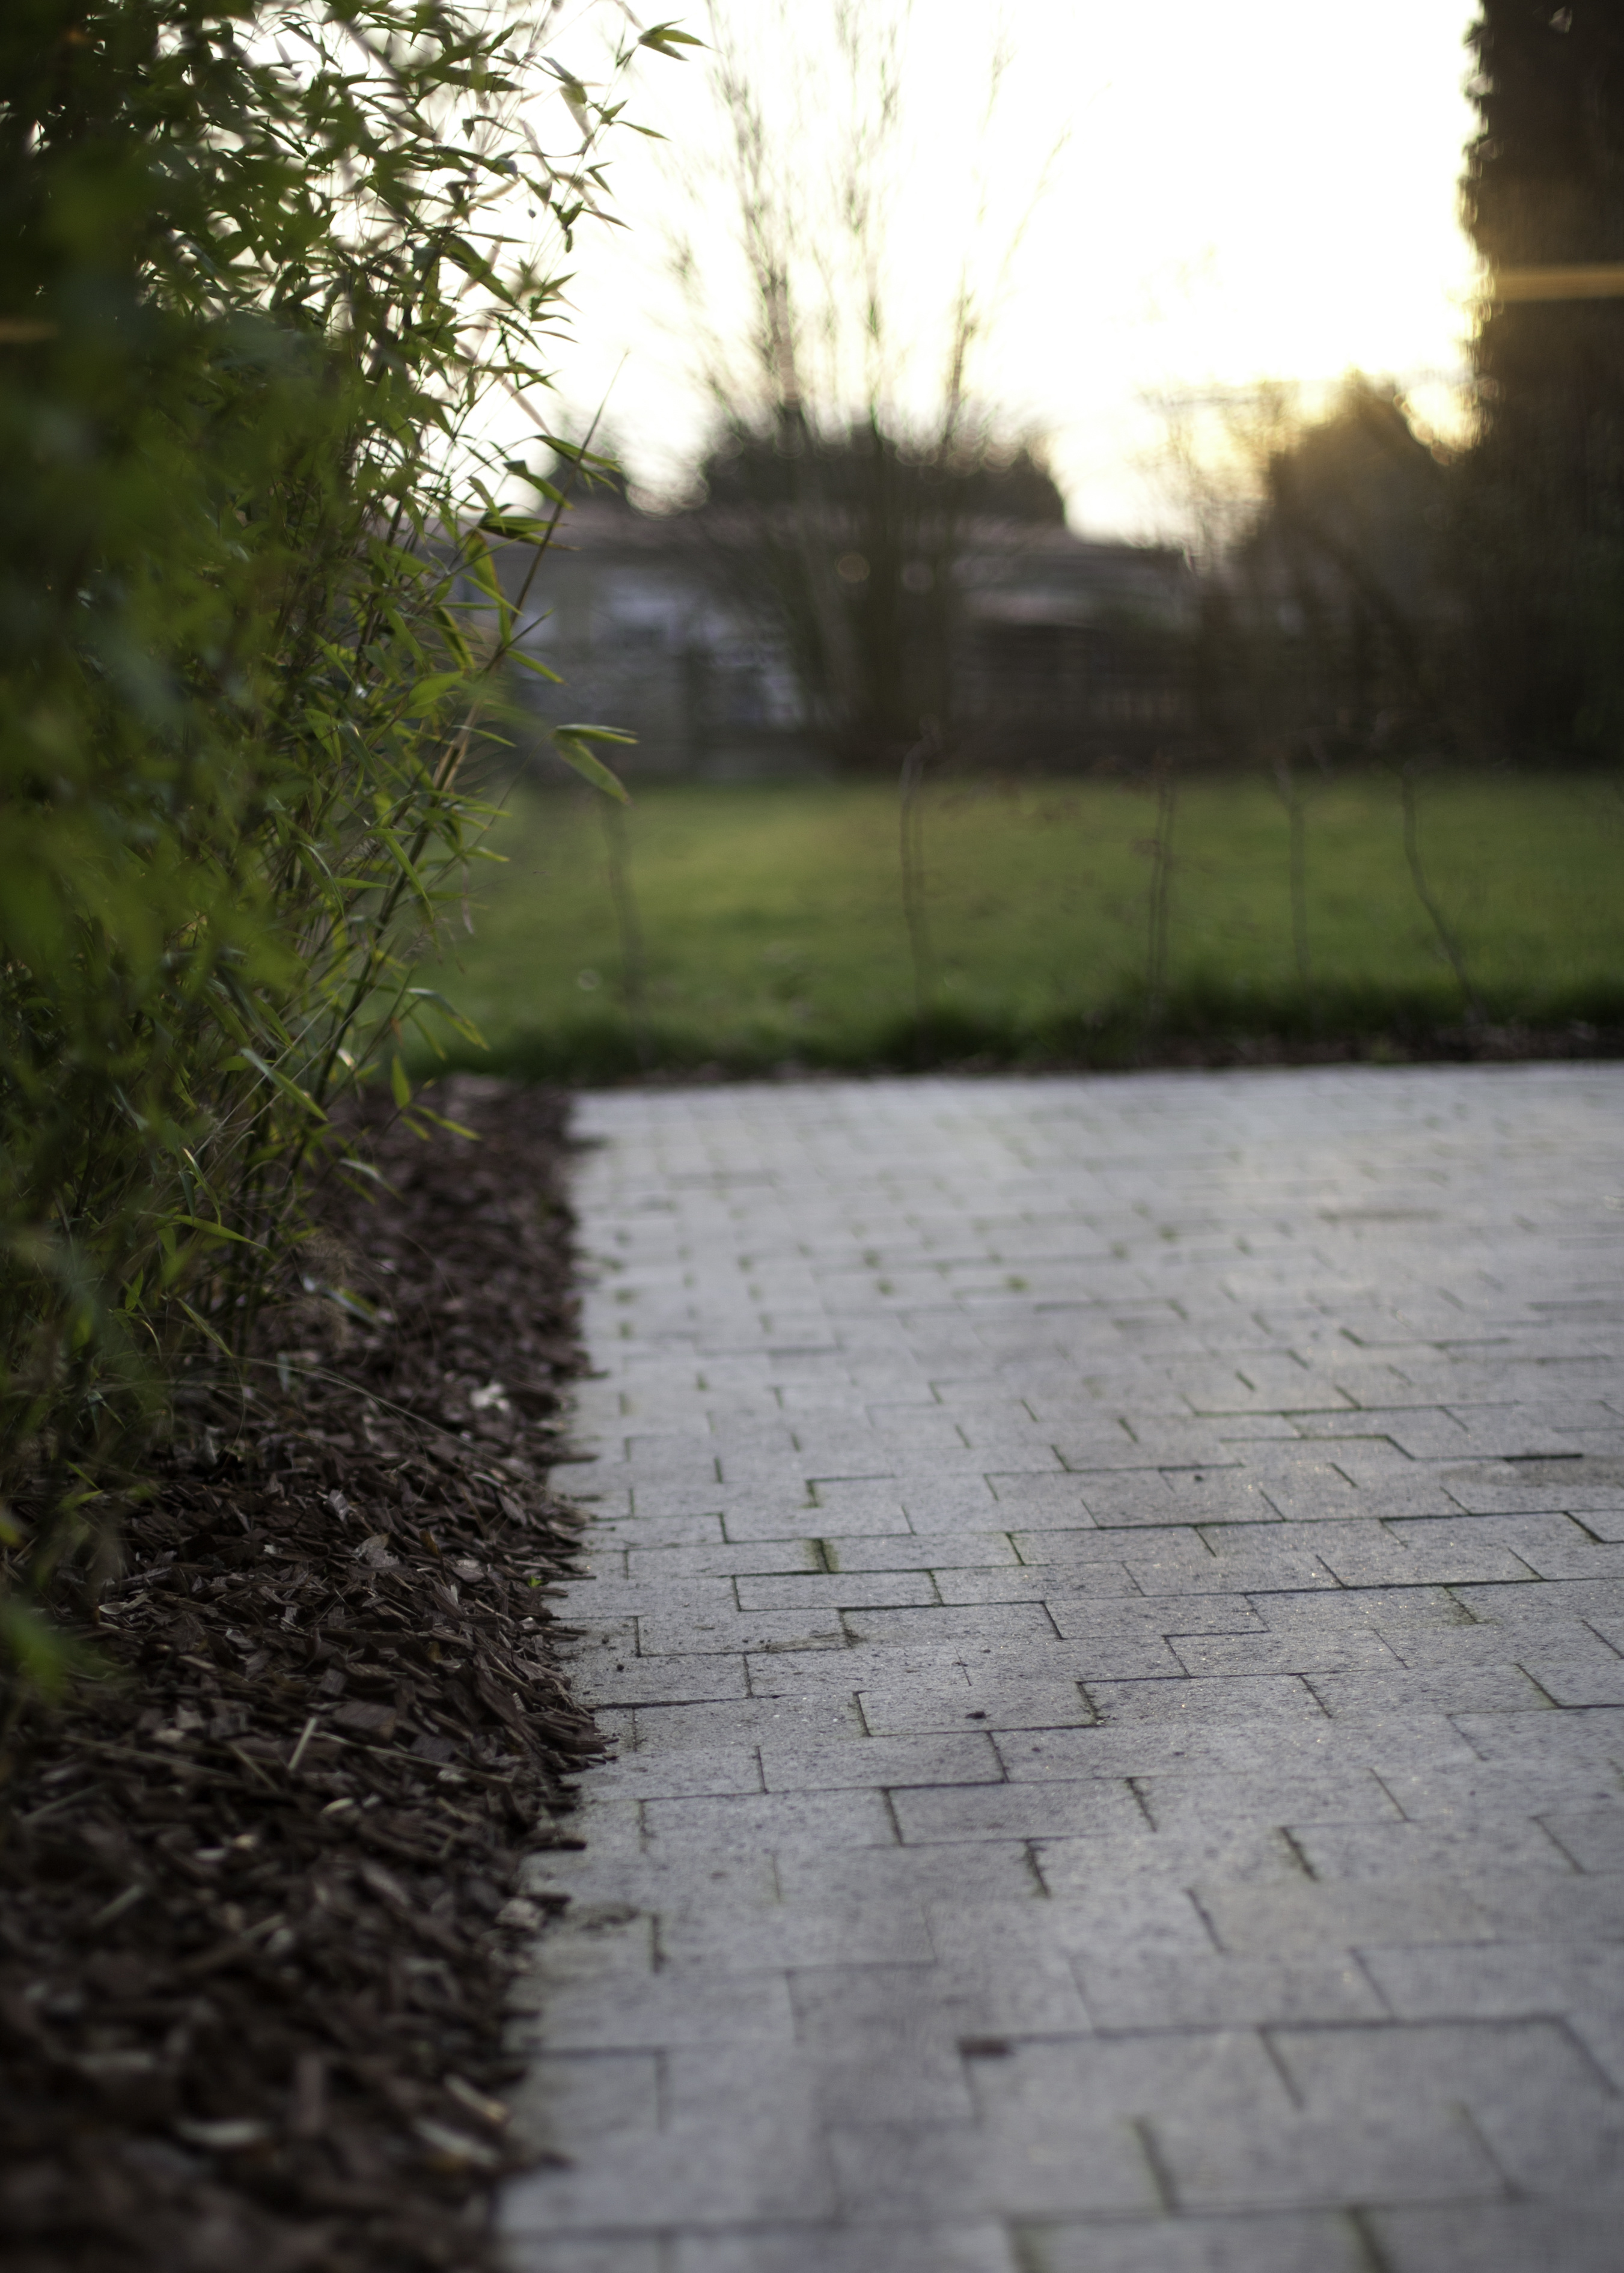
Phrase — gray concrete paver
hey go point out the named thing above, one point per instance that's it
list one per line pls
(960, 2249)
(1279, 2244)
(1509, 2238)
(1110, 1595)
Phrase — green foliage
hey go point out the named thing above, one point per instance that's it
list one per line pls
(264, 268)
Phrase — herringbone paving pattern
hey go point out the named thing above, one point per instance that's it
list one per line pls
(1110, 1593)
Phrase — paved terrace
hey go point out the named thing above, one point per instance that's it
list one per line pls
(1110, 1595)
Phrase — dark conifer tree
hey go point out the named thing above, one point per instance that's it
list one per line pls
(1543, 489)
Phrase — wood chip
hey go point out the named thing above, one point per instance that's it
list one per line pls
(254, 1964)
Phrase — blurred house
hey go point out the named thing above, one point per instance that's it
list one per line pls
(1065, 653)
(1075, 653)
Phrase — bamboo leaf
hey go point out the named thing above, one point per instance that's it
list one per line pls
(664, 38)
(218, 1231)
(577, 752)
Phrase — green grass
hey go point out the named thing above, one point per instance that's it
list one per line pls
(773, 928)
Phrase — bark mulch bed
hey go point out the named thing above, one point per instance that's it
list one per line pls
(257, 1907)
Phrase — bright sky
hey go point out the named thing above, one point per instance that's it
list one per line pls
(1246, 193)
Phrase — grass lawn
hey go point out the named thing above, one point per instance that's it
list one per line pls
(772, 927)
